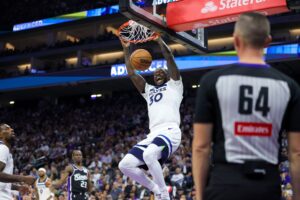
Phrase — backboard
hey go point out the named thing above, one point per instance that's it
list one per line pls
(153, 14)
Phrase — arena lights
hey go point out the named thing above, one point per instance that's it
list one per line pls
(94, 96)
(195, 86)
(12, 102)
(109, 10)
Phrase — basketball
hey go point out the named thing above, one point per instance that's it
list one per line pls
(141, 59)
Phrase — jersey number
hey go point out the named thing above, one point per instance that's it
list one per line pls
(155, 98)
(83, 184)
(246, 100)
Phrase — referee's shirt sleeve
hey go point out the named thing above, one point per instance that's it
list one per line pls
(293, 114)
(204, 102)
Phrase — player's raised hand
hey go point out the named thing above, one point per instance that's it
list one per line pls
(28, 180)
(124, 44)
(157, 38)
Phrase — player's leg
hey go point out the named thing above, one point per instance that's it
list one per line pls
(160, 149)
(151, 156)
(129, 166)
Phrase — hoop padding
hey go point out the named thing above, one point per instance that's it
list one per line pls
(134, 32)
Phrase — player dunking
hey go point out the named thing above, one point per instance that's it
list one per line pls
(163, 102)
(79, 181)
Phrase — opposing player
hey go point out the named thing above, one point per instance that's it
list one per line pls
(42, 186)
(78, 177)
(163, 102)
(7, 136)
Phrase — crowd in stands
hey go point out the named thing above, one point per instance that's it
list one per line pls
(16, 11)
(59, 44)
(104, 129)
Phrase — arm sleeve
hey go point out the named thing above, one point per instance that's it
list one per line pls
(4, 152)
(204, 102)
(293, 112)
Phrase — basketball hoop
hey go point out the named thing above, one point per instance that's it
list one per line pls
(134, 32)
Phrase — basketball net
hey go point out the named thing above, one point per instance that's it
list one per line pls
(134, 32)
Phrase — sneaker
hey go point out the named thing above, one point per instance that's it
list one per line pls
(165, 195)
(157, 196)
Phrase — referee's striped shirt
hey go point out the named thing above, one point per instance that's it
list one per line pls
(249, 106)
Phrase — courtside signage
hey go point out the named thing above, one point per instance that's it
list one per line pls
(272, 53)
(160, 2)
(190, 14)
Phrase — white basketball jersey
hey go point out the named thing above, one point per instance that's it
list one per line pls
(6, 158)
(163, 103)
(43, 191)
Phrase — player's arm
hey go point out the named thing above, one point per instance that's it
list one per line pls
(138, 81)
(168, 55)
(9, 178)
(63, 177)
(35, 191)
(200, 156)
(90, 184)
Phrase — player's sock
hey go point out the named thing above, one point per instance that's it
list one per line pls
(128, 166)
(151, 156)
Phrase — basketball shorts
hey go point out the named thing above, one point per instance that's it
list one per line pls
(169, 137)
(78, 196)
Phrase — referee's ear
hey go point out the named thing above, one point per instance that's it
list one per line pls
(268, 41)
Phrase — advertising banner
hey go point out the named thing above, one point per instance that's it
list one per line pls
(191, 14)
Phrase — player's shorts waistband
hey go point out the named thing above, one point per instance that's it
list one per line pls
(164, 126)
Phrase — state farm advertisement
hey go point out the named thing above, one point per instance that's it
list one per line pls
(190, 14)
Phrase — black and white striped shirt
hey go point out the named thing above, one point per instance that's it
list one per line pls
(249, 105)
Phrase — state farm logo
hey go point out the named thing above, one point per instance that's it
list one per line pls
(214, 5)
(209, 7)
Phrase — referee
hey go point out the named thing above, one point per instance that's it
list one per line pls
(240, 113)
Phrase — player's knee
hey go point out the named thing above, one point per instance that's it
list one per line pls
(123, 165)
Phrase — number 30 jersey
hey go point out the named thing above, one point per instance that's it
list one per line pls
(163, 103)
(249, 105)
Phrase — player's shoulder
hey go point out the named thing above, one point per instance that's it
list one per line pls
(69, 168)
(4, 149)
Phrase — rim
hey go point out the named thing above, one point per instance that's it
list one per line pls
(126, 24)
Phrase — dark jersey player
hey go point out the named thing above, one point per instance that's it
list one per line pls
(78, 178)
(240, 113)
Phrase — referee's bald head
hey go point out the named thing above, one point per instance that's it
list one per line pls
(253, 29)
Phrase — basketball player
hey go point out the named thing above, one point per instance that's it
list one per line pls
(78, 176)
(42, 186)
(7, 136)
(163, 102)
(240, 113)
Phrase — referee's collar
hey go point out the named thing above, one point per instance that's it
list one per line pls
(241, 64)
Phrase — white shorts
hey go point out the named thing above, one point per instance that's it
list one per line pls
(169, 137)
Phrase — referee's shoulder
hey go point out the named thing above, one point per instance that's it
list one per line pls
(214, 74)
(282, 76)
